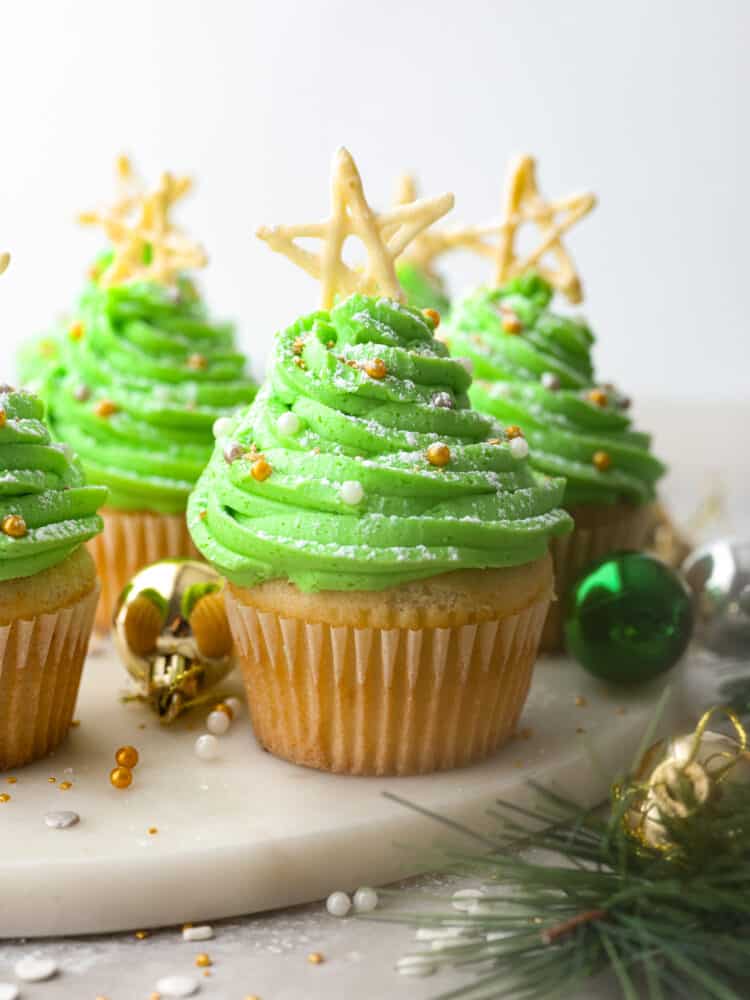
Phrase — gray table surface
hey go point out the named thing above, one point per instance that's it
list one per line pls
(265, 956)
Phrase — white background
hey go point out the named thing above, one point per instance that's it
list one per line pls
(644, 102)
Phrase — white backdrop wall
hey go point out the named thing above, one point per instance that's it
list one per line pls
(645, 102)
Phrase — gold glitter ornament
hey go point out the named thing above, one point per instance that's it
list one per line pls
(678, 778)
(172, 634)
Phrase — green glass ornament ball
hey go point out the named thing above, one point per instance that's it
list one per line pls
(628, 618)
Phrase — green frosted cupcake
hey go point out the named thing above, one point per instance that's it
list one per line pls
(135, 383)
(533, 371)
(385, 546)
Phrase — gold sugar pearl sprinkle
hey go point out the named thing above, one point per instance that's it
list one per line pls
(602, 460)
(300, 363)
(105, 408)
(260, 470)
(121, 777)
(438, 454)
(12, 781)
(3, 418)
(581, 702)
(141, 935)
(203, 960)
(598, 396)
(433, 316)
(315, 958)
(375, 368)
(65, 785)
(511, 322)
(197, 362)
(75, 331)
(4, 797)
(51, 780)
(152, 831)
(514, 431)
(14, 526)
(127, 756)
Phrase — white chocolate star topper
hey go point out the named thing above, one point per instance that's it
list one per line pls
(497, 241)
(385, 236)
(146, 245)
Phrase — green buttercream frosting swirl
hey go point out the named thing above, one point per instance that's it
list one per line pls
(134, 384)
(351, 500)
(44, 485)
(539, 376)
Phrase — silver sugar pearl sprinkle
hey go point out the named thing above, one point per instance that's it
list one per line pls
(443, 399)
(233, 450)
(62, 819)
(550, 381)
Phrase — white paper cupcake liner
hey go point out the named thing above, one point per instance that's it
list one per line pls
(384, 701)
(41, 660)
(130, 541)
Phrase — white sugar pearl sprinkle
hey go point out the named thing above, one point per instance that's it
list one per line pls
(177, 986)
(203, 933)
(62, 819)
(338, 904)
(234, 705)
(222, 426)
(365, 900)
(207, 747)
(352, 492)
(218, 723)
(35, 970)
(9, 991)
(288, 423)
(519, 447)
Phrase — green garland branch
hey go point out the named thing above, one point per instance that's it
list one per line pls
(668, 919)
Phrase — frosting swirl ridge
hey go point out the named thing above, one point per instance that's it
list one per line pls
(135, 386)
(533, 368)
(361, 465)
(46, 508)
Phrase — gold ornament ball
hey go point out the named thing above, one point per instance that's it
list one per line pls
(680, 777)
(127, 756)
(121, 777)
(171, 631)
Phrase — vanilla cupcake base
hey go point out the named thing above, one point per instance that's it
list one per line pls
(45, 625)
(599, 529)
(425, 677)
(130, 541)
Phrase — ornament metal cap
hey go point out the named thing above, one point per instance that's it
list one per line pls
(171, 632)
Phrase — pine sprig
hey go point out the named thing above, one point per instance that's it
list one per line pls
(668, 924)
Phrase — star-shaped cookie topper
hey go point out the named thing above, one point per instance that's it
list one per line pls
(385, 236)
(431, 243)
(4, 261)
(146, 245)
(522, 203)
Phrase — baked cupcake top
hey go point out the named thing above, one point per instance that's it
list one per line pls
(136, 380)
(46, 508)
(533, 369)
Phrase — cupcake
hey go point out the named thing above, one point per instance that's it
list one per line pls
(136, 381)
(385, 546)
(533, 372)
(48, 585)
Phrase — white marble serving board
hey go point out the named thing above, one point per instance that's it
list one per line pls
(248, 832)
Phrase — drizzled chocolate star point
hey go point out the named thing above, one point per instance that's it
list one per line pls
(146, 245)
(522, 203)
(385, 236)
